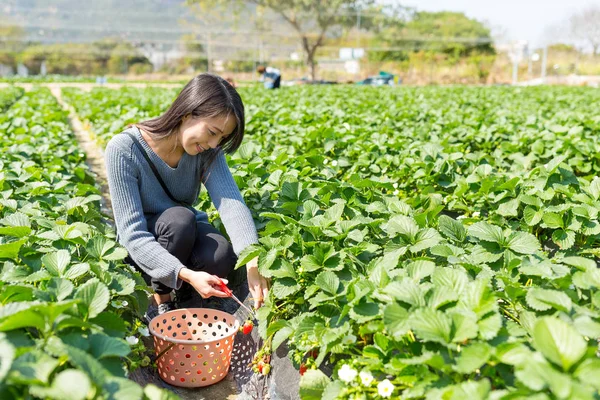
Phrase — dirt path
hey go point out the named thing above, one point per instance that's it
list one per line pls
(95, 155)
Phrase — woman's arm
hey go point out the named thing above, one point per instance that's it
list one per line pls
(237, 219)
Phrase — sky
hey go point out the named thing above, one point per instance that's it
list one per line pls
(522, 19)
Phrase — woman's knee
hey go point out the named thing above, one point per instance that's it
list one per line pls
(215, 255)
(175, 230)
(176, 220)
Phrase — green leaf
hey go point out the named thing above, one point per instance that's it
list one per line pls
(489, 326)
(440, 296)
(589, 372)
(425, 239)
(420, 269)
(473, 357)
(509, 208)
(395, 319)
(312, 385)
(523, 243)
(564, 239)
(407, 291)
(364, 311)
(248, 254)
(464, 326)
(486, 232)
(34, 367)
(153, 392)
(401, 225)
(284, 287)
(7, 356)
(431, 325)
(454, 279)
(57, 262)
(102, 346)
(544, 299)
(121, 388)
(70, 384)
(94, 296)
(452, 229)
(121, 284)
(328, 281)
(553, 220)
(587, 326)
(60, 288)
(582, 263)
(558, 342)
(17, 231)
(11, 250)
(111, 324)
(77, 270)
(532, 216)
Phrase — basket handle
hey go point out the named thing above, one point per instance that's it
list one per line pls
(169, 347)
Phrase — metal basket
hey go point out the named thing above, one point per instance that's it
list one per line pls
(193, 345)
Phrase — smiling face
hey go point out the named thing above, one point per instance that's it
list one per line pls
(197, 134)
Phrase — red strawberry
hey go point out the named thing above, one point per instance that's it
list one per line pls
(303, 369)
(260, 367)
(247, 328)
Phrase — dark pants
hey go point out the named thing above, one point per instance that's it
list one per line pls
(199, 246)
(277, 82)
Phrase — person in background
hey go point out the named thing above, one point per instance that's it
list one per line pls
(270, 76)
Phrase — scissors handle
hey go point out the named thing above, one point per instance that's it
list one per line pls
(224, 287)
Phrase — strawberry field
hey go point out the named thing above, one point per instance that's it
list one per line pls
(423, 243)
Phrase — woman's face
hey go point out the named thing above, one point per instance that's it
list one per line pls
(200, 134)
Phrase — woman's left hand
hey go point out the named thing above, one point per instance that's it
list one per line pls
(258, 285)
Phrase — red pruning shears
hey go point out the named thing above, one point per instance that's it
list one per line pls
(229, 293)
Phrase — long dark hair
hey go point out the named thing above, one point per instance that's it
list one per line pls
(205, 96)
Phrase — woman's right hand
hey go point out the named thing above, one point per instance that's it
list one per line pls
(206, 284)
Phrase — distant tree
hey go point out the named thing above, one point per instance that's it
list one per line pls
(305, 17)
(449, 32)
(585, 27)
(13, 41)
(440, 32)
(563, 47)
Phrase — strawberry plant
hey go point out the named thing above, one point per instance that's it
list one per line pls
(421, 242)
(69, 307)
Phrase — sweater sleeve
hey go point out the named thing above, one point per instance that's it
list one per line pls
(131, 223)
(228, 201)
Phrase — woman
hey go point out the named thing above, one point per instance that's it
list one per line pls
(154, 171)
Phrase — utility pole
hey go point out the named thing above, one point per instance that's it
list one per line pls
(358, 28)
(208, 52)
(544, 61)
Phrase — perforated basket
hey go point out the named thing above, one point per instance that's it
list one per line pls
(193, 345)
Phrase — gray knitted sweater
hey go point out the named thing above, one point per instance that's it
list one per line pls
(136, 194)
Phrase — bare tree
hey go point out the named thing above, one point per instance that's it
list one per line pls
(585, 26)
(305, 17)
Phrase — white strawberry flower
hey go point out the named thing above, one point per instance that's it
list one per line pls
(334, 163)
(385, 388)
(347, 373)
(366, 377)
(476, 214)
(132, 340)
(395, 185)
(143, 331)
